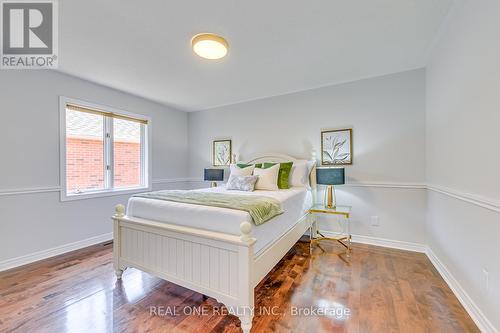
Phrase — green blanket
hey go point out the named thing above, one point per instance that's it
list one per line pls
(260, 208)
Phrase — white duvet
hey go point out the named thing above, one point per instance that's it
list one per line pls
(295, 202)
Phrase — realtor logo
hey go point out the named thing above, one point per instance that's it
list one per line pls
(29, 34)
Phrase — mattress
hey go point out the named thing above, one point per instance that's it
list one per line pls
(295, 202)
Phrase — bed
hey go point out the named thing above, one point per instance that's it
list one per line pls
(216, 251)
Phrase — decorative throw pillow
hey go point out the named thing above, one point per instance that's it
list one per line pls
(299, 175)
(241, 183)
(268, 178)
(283, 175)
(237, 171)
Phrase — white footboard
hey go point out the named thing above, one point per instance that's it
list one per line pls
(214, 264)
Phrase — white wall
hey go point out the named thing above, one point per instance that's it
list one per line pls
(387, 117)
(462, 151)
(29, 144)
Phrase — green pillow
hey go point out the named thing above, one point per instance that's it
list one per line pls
(243, 165)
(283, 174)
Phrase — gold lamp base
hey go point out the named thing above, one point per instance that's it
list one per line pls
(330, 201)
(214, 184)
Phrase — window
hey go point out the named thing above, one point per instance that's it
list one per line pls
(103, 151)
(127, 153)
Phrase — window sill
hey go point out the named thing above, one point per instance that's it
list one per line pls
(104, 193)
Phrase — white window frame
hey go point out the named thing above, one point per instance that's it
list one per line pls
(146, 153)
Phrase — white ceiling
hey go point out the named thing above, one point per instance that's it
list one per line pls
(276, 47)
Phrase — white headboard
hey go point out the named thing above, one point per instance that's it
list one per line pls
(278, 158)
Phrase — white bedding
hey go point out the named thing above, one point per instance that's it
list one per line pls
(295, 202)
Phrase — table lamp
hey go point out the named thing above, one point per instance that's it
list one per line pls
(330, 177)
(214, 175)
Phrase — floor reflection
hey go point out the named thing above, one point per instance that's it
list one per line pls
(133, 286)
(91, 314)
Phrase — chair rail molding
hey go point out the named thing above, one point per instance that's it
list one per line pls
(488, 203)
(58, 188)
(360, 184)
(171, 180)
(386, 184)
(20, 191)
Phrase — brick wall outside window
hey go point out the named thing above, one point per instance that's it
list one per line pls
(127, 159)
(85, 164)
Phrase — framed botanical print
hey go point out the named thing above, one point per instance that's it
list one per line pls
(221, 154)
(336, 147)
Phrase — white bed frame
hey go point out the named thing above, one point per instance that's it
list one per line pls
(218, 265)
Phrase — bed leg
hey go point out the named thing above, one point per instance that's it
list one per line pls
(246, 322)
(119, 213)
(246, 290)
(314, 226)
(119, 273)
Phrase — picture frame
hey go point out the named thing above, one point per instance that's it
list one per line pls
(336, 147)
(221, 152)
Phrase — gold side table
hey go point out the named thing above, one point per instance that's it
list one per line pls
(344, 239)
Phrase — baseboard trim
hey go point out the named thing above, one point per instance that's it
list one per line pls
(389, 243)
(55, 251)
(472, 309)
(476, 314)
(383, 242)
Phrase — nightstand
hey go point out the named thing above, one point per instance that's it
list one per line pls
(345, 211)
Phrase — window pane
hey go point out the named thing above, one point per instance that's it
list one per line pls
(127, 153)
(84, 151)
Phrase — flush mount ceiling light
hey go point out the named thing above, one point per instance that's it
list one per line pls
(209, 46)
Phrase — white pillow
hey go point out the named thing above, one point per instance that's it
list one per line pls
(268, 178)
(299, 175)
(237, 171)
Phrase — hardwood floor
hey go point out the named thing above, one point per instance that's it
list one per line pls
(379, 290)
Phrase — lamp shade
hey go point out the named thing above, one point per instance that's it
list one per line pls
(330, 176)
(214, 174)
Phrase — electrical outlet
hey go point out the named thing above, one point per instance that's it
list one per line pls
(486, 280)
(374, 221)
